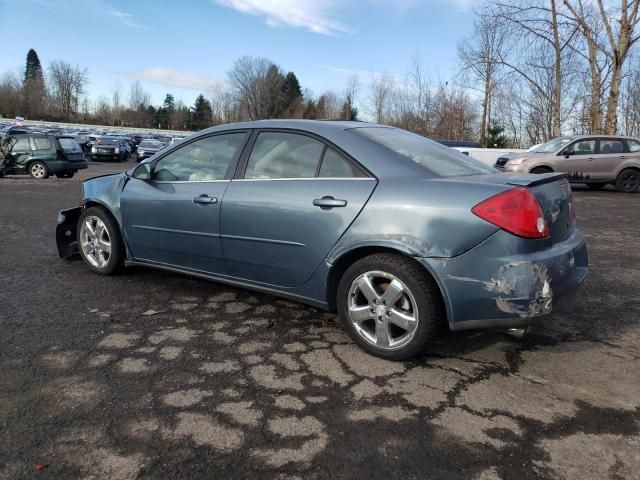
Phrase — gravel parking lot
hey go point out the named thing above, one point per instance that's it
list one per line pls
(156, 375)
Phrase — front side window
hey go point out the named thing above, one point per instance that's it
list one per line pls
(284, 155)
(611, 147)
(22, 145)
(583, 147)
(42, 143)
(634, 146)
(206, 159)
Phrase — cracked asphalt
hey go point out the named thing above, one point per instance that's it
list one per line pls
(156, 375)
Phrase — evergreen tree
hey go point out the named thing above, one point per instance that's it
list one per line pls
(349, 111)
(202, 113)
(495, 136)
(291, 89)
(33, 88)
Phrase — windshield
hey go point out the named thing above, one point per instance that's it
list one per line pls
(107, 141)
(552, 145)
(149, 144)
(441, 160)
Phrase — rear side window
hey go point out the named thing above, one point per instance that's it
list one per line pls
(335, 165)
(634, 146)
(611, 147)
(42, 143)
(284, 155)
(22, 145)
(69, 144)
(438, 159)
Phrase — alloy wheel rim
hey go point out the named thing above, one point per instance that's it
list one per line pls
(95, 241)
(37, 170)
(382, 310)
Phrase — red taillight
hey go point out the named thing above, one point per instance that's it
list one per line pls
(516, 211)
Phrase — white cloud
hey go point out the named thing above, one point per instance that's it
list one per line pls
(170, 78)
(91, 8)
(312, 15)
(318, 16)
(127, 19)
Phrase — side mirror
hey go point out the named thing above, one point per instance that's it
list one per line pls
(142, 171)
(568, 153)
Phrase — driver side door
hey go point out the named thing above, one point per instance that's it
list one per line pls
(173, 218)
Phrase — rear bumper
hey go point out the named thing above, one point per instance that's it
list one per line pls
(509, 282)
(61, 166)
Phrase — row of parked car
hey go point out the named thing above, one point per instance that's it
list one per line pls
(45, 152)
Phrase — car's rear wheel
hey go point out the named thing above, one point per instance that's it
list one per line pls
(539, 170)
(38, 170)
(389, 306)
(100, 242)
(596, 186)
(628, 181)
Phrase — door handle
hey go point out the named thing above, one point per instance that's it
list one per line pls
(329, 202)
(204, 200)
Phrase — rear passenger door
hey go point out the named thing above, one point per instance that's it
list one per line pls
(21, 154)
(610, 154)
(292, 199)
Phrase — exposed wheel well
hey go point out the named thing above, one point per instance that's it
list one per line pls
(542, 168)
(91, 204)
(346, 260)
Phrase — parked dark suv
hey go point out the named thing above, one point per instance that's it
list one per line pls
(39, 156)
(109, 148)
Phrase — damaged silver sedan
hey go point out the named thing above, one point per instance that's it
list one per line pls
(396, 233)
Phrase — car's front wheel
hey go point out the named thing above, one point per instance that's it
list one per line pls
(628, 180)
(38, 170)
(389, 306)
(100, 241)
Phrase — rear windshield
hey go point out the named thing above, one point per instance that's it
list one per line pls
(107, 141)
(149, 144)
(440, 160)
(69, 144)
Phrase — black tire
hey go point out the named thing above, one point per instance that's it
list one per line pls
(422, 290)
(65, 175)
(115, 261)
(539, 170)
(38, 170)
(628, 180)
(596, 186)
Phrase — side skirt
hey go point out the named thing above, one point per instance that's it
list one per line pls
(230, 281)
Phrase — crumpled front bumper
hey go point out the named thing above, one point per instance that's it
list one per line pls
(507, 282)
(66, 232)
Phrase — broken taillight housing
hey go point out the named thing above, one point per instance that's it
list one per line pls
(517, 211)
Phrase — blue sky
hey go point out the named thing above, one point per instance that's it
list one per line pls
(183, 46)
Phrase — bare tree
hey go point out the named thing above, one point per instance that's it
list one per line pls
(381, 89)
(479, 59)
(68, 83)
(138, 97)
(257, 86)
(116, 101)
(620, 43)
(538, 33)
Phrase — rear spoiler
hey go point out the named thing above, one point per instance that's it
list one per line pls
(533, 180)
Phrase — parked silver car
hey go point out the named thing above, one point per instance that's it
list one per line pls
(594, 160)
